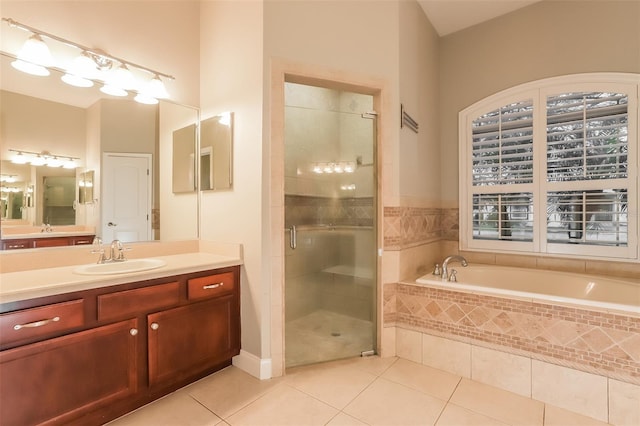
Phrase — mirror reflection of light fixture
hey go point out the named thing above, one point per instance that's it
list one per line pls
(334, 167)
(144, 99)
(112, 90)
(44, 158)
(7, 178)
(76, 81)
(89, 67)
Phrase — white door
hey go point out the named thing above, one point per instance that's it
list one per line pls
(126, 197)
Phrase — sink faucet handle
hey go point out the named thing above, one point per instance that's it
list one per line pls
(453, 277)
(436, 270)
(117, 250)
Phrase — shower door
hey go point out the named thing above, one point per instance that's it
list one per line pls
(330, 217)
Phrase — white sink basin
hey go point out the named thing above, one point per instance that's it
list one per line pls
(126, 267)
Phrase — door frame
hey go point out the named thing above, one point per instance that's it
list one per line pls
(284, 71)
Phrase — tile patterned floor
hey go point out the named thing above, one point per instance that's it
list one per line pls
(359, 391)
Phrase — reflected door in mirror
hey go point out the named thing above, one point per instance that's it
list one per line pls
(126, 189)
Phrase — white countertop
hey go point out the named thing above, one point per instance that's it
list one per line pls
(23, 285)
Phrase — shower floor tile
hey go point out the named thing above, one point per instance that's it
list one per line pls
(324, 335)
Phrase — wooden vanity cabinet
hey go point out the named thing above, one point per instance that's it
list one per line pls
(134, 343)
(25, 243)
(56, 380)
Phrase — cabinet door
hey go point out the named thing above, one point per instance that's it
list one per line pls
(59, 379)
(187, 340)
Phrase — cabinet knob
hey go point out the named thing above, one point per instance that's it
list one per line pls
(133, 331)
(155, 326)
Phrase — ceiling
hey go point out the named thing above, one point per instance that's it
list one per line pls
(449, 16)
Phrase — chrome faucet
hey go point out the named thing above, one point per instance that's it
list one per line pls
(46, 228)
(97, 242)
(117, 251)
(445, 265)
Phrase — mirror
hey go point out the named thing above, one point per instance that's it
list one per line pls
(48, 115)
(14, 192)
(85, 187)
(216, 156)
(184, 148)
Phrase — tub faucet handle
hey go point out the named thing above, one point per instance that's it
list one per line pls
(453, 278)
(436, 270)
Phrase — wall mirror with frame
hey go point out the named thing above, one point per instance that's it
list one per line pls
(216, 152)
(47, 115)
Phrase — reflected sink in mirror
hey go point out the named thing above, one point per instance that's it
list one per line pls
(125, 267)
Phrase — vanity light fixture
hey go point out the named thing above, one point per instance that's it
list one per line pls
(7, 178)
(89, 67)
(44, 158)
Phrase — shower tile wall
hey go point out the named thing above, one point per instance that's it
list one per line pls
(311, 210)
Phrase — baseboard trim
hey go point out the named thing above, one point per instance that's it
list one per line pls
(257, 367)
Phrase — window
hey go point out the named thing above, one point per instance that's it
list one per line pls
(551, 167)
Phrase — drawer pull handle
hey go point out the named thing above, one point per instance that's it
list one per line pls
(36, 323)
(155, 326)
(133, 332)
(212, 286)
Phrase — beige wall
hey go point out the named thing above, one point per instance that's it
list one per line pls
(38, 125)
(232, 76)
(547, 39)
(419, 154)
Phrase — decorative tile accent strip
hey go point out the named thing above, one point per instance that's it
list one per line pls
(604, 343)
(450, 221)
(311, 210)
(408, 226)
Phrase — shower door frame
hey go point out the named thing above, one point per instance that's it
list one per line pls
(281, 72)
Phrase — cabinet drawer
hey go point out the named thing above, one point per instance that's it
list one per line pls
(210, 286)
(50, 242)
(17, 244)
(131, 302)
(41, 321)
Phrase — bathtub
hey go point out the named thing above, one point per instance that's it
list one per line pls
(551, 286)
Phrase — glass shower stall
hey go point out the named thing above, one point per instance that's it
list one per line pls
(330, 218)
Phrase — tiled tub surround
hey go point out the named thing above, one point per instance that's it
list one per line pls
(583, 360)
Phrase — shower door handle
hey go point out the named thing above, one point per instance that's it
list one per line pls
(293, 237)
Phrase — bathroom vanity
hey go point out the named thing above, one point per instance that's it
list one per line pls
(89, 355)
(27, 242)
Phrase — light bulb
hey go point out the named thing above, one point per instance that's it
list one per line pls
(83, 66)
(20, 158)
(156, 89)
(144, 99)
(69, 164)
(112, 90)
(76, 81)
(123, 78)
(35, 51)
(54, 162)
(30, 68)
(38, 161)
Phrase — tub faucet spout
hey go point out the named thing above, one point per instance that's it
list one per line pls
(445, 265)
